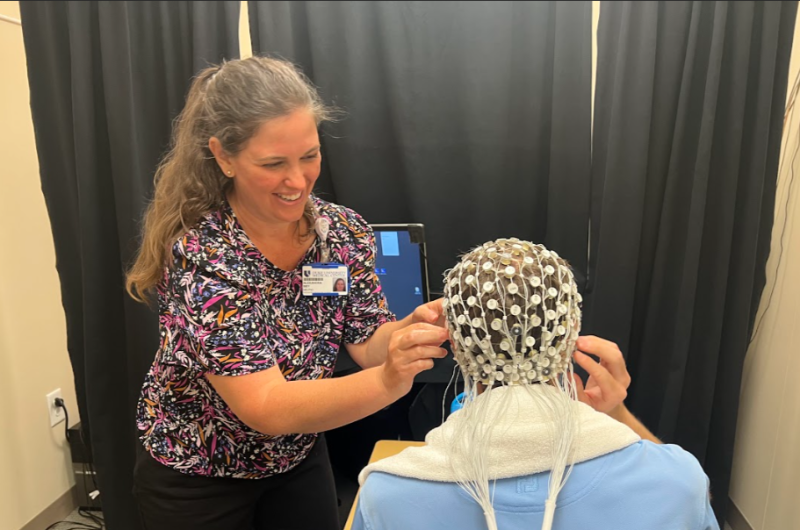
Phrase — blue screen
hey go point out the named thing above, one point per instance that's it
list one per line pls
(399, 270)
(390, 243)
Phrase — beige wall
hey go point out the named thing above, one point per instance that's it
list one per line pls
(766, 473)
(245, 47)
(595, 22)
(34, 458)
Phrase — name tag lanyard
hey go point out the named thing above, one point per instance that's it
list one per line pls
(321, 227)
(324, 278)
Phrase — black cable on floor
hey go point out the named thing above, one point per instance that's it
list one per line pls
(80, 526)
(98, 523)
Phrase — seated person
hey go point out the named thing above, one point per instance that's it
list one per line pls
(524, 452)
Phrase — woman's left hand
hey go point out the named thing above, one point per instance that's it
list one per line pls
(430, 313)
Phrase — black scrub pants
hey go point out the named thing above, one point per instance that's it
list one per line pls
(301, 499)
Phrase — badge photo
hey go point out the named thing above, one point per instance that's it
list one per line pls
(326, 279)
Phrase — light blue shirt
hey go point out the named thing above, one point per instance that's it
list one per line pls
(642, 487)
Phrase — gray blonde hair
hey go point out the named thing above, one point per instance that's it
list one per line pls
(229, 101)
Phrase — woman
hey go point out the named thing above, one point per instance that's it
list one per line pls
(340, 286)
(242, 381)
(505, 460)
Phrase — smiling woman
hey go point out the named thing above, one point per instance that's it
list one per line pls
(276, 170)
(244, 119)
(274, 175)
(232, 225)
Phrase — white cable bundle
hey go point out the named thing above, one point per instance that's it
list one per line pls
(513, 311)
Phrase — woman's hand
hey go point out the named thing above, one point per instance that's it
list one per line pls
(375, 350)
(411, 351)
(607, 386)
(431, 313)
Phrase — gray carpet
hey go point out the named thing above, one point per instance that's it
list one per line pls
(75, 517)
(75, 521)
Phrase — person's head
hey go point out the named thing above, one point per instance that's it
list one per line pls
(513, 311)
(340, 285)
(249, 130)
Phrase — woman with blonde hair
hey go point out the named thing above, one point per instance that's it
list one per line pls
(241, 384)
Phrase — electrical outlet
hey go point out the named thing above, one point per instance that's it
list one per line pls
(56, 413)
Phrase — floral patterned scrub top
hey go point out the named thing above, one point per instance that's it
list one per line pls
(225, 310)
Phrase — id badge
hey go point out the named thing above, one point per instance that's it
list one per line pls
(326, 279)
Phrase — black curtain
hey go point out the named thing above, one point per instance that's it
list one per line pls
(470, 117)
(688, 120)
(473, 118)
(106, 80)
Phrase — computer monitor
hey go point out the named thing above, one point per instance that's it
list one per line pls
(401, 266)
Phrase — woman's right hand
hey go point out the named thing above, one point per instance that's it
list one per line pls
(411, 351)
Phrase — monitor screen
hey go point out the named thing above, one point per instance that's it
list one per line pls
(400, 266)
(402, 270)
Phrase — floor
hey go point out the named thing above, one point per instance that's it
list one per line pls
(83, 523)
(346, 490)
(75, 517)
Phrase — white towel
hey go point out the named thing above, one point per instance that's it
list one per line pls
(520, 443)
